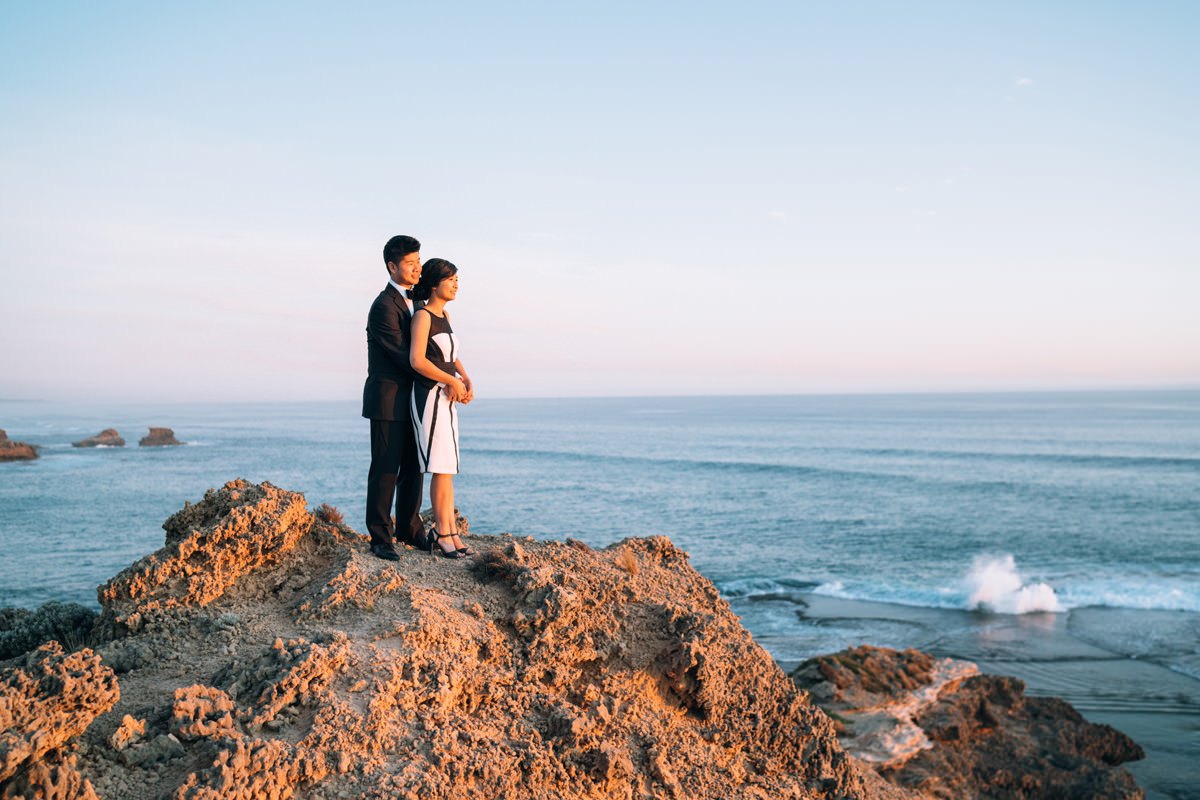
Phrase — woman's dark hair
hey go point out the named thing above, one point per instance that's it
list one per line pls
(433, 272)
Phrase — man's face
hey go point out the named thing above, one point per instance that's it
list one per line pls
(408, 271)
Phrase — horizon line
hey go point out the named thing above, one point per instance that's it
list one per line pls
(699, 395)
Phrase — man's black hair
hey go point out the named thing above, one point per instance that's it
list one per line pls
(398, 247)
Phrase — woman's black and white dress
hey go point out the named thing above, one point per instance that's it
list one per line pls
(435, 419)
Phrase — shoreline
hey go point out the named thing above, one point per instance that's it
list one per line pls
(1157, 706)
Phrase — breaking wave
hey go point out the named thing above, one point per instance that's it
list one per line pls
(993, 583)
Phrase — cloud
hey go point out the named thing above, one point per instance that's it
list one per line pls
(1023, 82)
(776, 215)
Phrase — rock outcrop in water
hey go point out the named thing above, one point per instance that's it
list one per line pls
(105, 438)
(262, 652)
(159, 437)
(15, 451)
(940, 727)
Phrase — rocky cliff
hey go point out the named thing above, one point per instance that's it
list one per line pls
(262, 652)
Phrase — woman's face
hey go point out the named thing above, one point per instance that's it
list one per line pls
(447, 288)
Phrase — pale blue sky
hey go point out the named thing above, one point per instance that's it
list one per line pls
(675, 199)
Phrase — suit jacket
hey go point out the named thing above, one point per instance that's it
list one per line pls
(389, 374)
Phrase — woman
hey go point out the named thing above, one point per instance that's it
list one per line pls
(443, 383)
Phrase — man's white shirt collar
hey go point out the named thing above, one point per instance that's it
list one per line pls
(403, 290)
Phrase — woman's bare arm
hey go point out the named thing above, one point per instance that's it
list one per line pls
(419, 335)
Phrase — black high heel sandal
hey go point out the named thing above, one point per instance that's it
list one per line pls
(436, 548)
(466, 549)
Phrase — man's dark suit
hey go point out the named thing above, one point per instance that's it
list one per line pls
(394, 468)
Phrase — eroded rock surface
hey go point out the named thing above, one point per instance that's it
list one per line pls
(105, 438)
(937, 726)
(264, 652)
(233, 533)
(15, 451)
(46, 701)
(874, 694)
(159, 437)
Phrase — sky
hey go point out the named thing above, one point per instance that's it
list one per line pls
(642, 198)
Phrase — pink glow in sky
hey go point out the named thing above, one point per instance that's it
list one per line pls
(773, 198)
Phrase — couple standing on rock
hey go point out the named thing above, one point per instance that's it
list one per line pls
(415, 380)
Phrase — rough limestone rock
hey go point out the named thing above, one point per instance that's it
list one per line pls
(941, 728)
(128, 733)
(15, 451)
(210, 547)
(45, 703)
(874, 694)
(159, 437)
(263, 652)
(105, 438)
(21, 630)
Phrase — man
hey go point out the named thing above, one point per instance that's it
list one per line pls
(394, 468)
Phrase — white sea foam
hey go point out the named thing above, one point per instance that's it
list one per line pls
(758, 587)
(750, 587)
(917, 597)
(1147, 592)
(993, 587)
(994, 584)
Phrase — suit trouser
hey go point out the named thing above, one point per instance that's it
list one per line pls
(394, 472)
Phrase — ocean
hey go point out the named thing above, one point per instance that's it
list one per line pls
(1051, 536)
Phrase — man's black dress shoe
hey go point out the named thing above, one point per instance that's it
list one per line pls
(385, 551)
